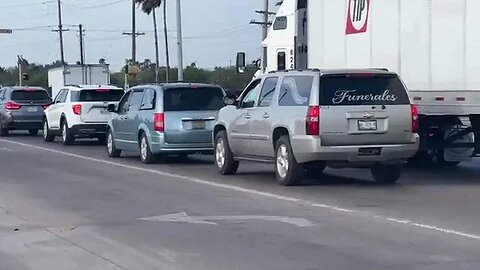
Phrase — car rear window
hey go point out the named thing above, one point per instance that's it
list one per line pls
(30, 95)
(193, 99)
(94, 95)
(362, 89)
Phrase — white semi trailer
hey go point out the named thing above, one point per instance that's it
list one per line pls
(433, 44)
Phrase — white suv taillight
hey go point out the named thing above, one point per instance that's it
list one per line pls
(415, 120)
(159, 122)
(77, 109)
(313, 121)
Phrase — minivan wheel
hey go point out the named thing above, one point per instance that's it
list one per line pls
(146, 155)
(33, 132)
(288, 171)
(47, 134)
(67, 138)
(113, 152)
(386, 174)
(224, 160)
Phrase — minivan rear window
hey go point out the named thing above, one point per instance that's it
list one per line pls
(30, 95)
(95, 95)
(362, 89)
(193, 99)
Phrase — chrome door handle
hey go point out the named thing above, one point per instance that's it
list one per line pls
(265, 115)
(248, 116)
(124, 117)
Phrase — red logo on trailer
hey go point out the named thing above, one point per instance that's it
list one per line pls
(357, 16)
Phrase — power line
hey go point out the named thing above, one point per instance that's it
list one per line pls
(104, 4)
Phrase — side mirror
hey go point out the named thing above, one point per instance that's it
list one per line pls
(241, 65)
(112, 108)
(228, 100)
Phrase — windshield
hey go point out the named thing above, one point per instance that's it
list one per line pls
(193, 99)
(108, 95)
(30, 95)
(362, 89)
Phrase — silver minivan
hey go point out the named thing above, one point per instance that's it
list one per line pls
(165, 119)
(303, 121)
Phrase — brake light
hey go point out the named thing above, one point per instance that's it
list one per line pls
(12, 106)
(77, 109)
(159, 122)
(313, 121)
(103, 89)
(30, 90)
(415, 119)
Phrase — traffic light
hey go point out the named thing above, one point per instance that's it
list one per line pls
(25, 77)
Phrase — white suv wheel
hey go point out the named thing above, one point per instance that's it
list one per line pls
(220, 153)
(282, 161)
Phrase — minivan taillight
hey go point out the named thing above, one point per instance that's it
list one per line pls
(12, 106)
(415, 120)
(77, 109)
(159, 122)
(313, 121)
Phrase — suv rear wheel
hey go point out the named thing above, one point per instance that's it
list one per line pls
(47, 134)
(224, 160)
(386, 174)
(113, 152)
(67, 137)
(146, 155)
(288, 171)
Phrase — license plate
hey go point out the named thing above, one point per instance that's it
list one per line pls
(198, 124)
(367, 124)
(32, 109)
(370, 151)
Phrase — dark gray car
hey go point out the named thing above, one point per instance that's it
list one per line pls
(168, 119)
(21, 108)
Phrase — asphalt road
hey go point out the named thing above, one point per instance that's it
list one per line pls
(74, 208)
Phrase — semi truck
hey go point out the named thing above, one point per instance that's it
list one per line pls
(91, 74)
(434, 46)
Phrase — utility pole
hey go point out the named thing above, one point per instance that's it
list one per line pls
(179, 41)
(82, 49)
(60, 31)
(157, 54)
(265, 19)
(20, 72)
(134, 36)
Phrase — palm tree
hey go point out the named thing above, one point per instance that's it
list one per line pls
(149, 7)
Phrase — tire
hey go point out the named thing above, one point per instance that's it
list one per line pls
(386, 174)
(224, 159)
(288, 171)
(102, 139)
(47, 134)
(3, 132)
(112, 151)
(67, 137)
(315, 169)
(146, 155)
(33, 132)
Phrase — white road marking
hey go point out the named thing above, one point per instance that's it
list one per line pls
(184, 218)
(256, 192)
(6, 149)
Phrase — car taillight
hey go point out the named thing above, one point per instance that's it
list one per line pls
(77, 109)
(415, 120)
(12, 106)
(313, 120)
(159, 122)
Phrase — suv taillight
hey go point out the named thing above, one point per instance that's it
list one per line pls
(12, 106)
(313, 121)
(159, 122)
(77, 109)
(415, 120)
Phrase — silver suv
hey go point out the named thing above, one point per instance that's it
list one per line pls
(303, 121)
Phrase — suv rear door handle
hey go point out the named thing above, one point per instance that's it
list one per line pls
(124, 117)
(265, 115)
(248, 116)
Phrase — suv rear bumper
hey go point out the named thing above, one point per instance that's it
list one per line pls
(307, 149)
(33, 122)
(88, 130)
(159, 146)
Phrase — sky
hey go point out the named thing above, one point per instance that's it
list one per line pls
(214, 31)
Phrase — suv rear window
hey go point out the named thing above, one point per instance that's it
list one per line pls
(30, 95)
(362, 89)
(94, 95)
(193, 99)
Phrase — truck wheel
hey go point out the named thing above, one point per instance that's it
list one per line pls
(146, 155)
(47, 134)
(288, 171)
(67, 137)
(224, 159)
(113, 152)
(386, 174)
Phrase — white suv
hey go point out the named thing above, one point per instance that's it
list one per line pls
(80, 111)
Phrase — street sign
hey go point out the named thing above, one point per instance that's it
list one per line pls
(6, 31)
